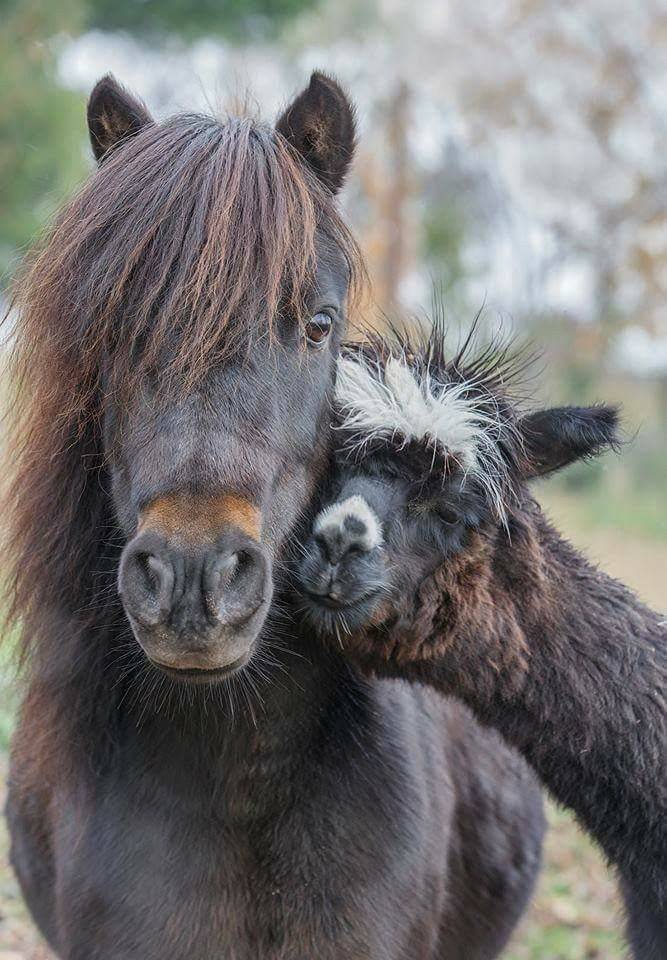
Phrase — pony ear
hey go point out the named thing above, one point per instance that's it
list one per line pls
(114, 116)
(557, 437)
(320, 124)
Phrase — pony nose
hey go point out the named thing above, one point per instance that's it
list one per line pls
(190, 589)
(146, 582)
(234, 582)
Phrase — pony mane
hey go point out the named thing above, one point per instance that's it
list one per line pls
(402, 389)
(181, 249)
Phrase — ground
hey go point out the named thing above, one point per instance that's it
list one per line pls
(575, 914)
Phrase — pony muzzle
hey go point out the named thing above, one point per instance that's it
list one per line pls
(196, 593)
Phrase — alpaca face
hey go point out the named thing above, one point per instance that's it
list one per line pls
(417, 470)
(376, 540)
(430, 451)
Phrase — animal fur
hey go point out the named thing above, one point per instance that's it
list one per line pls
(295, 809)
(483, 600)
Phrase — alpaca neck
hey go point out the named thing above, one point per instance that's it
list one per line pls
(563, 661)
(570, 667)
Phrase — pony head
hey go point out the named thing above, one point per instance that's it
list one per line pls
(175, 356)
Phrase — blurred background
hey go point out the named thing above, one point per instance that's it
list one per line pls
(512, 156)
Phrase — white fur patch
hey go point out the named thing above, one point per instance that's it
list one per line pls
(394, 403)
(334, 516)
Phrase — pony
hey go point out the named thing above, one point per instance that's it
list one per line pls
(431, 561)
(194, 774)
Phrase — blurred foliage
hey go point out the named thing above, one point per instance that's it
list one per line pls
(443, 237)
(41, 127)
(234, 18)
(627, 496)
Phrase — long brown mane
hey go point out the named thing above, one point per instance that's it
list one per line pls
(193, 235)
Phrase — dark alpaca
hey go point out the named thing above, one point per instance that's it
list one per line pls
(175, 357)
(432, 562)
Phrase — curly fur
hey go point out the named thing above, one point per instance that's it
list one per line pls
(483, 600)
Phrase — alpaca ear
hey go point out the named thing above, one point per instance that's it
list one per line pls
(557, 437)
(320, 124)
(114, 116)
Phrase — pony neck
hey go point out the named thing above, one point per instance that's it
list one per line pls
(276, 704)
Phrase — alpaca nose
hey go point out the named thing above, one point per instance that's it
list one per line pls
(346, 528)
(191, 605)
(322, 582)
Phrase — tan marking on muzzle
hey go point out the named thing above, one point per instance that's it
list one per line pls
(200, 519)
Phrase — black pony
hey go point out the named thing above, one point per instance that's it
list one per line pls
(175, 356)
(432, 562)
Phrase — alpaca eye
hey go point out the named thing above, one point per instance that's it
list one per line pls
(448, 517)
(318, 329)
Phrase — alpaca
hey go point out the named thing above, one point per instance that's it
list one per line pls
(432, 562)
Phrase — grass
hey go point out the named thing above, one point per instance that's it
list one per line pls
(7, 707)
(640, 512)
(575, 914)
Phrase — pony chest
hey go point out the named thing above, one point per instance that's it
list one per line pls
(165, 878)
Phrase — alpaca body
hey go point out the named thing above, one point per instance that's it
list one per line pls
(358, 819)
(562, 660)
(577, 686)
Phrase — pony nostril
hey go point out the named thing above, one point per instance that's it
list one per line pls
(235, 585)
(245, 563)
(225, 569)
(152, 569)
(146, 583)
(229, 568)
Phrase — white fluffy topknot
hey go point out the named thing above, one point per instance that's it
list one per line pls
(402, 399)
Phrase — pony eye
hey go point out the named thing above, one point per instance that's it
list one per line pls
(318, 329)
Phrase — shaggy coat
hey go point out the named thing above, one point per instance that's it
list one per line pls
(193, 776)
(433, 551)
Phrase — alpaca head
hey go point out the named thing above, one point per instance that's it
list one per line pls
(430, 449)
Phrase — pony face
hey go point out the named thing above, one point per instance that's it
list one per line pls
(208, 485)
(430, 451)
(218, 272)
